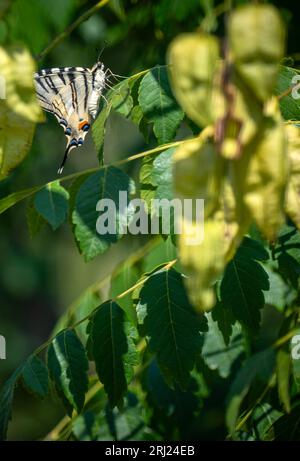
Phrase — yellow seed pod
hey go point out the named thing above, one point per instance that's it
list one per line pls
(259, 176)
(256, 38)
(204, 260)
(194, 64)
(243, 123)
(292, 202)
(198, 170)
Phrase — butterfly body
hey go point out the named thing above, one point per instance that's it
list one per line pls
(72, 94)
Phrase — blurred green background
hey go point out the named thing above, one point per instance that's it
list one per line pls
(41, 277)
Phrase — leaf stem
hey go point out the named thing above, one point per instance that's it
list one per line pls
(16, 197)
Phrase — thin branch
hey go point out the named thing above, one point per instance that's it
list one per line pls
(87, 317)
(16, 197)
(70, 29)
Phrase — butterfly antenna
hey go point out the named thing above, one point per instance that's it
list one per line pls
(101, 50)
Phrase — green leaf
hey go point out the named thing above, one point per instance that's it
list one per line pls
(264, 418)
(52, 203)
(147, 188)
(158, 104)
(216, 354)
(259, 365)
(162, 174)
(126, 276)
(287, 252)
(98, 130)
(289, 106)
(287, 428)
(35, 376)
(111, 344)
(170, 324)
(121, 99)
(295, 353)
(283, 367)
(242, 285)
(6, 400)
(104, 184)
(171, 408)
(35, 221)
(68, 366)
(225, 320)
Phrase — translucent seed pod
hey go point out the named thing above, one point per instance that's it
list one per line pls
(256, 37)
(194, 64)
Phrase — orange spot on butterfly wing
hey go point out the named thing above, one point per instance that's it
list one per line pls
(82, 124)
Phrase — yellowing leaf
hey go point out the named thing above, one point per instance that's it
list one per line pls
(256, 38)
(193, 65)
(292, 203)
(19, 110)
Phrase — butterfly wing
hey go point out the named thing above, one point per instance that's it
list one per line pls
(65, 93)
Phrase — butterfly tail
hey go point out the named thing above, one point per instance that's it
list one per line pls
(71, 145)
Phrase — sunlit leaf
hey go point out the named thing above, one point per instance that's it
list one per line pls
(68, 365)
(106, 184)
(52, 203)
(159, 105)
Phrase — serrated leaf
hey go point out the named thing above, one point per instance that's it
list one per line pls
(242, 285)
(259, 365)
(287, 254)
(52, 203)
(289, 106)
(158, 104)
(264, 418)
(121, 99)
(6, 399)
(104, 184)
(169, 322)
(68, 365)
(225, 320)
(98, 130)
(35, 221)
(35, 376)
(111, 344)
(147, 188)
(216, 354)
(162, 174)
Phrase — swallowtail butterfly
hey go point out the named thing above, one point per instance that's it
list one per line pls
(72, 94)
